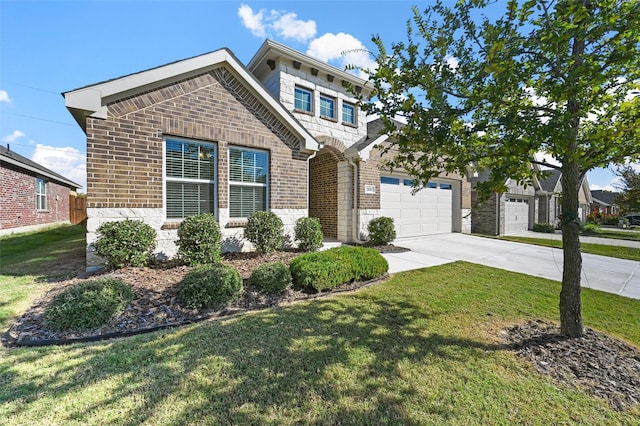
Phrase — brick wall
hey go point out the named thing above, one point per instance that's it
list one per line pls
(124, 152)
(18, 200)
(323, 192)
(483, 215)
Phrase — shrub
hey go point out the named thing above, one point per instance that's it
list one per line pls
(199, 240)
(309, 232)
(381, 231)
(590, 228)
(125, 243)
(544, 227)
(210, 286)
(87, 305)
(266, 231)
(328, 269)
(271, 277)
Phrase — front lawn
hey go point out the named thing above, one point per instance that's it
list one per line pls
(615, 234)
(422, 348)
(630, 253)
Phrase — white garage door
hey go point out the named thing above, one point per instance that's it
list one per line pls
(516, 212)
(429, 211)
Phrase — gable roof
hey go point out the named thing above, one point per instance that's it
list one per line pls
(550, 182)
(604, 197)
(92, 100)
(33, 168)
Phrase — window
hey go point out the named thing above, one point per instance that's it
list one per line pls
(190, 175)
(248, 181)
(41, 194)
(348, 113)
(389, 180)
(407, 182)
(303, 100)
(327, 107)
(445, 186)
(432, 185)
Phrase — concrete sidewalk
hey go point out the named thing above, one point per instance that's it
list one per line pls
(591, 240)
(608, 274)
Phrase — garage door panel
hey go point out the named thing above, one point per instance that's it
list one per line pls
(429, 211)
(516, 215)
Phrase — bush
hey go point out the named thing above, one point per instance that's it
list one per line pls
(210, 286)
(544, 227)
(309, 232)
(271, 277)
(125, 243)
(328, 269)
(590, 228)
(199, 240)
(381, 231)
(88, 305)
(266, 231)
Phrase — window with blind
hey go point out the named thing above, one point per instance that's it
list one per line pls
(41, 194)
(248, 181)
(190, 177)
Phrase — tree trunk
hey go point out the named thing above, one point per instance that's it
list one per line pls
(570, 299)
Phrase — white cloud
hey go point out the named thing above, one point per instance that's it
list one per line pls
(545, 157)
(13, 136)
(341, 49)
(4, 97)
(281, 23)
(67, 161)
(251, 21)
(594, 187)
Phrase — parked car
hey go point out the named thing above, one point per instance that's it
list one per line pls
(634, 219)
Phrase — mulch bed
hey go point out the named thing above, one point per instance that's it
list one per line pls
(596, 363)
(156, 304)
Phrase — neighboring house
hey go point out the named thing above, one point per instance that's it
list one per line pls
(550, 206)
(31, 196)
(510, 212)
(604, 202)
(208, 134)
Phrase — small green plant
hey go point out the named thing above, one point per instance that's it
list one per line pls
(329, 269)
(266, 231)
(125, 243)
(88, 305)
(271, 277)
(308, 232)
(544, 227)
(381, 231)
(590, 228)
(199, 240)
(210, 286)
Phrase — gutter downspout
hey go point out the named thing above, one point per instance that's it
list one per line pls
(311, 157)
(355, 222)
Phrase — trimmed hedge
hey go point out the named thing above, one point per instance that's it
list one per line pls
(544, 227)
(309, 232)
(88, 305)
(210, 286)
(329, 269)
(199, 240)
(271, 278)
(125, 243)
(265, 230)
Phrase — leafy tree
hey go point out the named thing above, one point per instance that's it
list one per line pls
(629, 187)
(556, 76)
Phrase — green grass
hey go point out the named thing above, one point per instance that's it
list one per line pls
(30, 261)
(421, 348)
(614, 234)
(630, 253)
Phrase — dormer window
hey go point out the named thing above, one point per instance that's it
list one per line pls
(327, 107)
(303, 100)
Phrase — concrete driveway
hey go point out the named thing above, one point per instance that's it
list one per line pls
(608, 274)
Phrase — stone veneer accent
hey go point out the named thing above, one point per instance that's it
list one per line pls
(125, 151)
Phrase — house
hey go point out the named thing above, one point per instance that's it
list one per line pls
(283, 133)
(509, 212)
(549, 205)
(31, 196)
(604, 202)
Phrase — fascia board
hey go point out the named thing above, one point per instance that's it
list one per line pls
(39, 172)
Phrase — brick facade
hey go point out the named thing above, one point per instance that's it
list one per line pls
(125, 152)
(323, 191)
(18, 200)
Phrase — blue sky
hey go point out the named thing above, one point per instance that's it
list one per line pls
(49, 47)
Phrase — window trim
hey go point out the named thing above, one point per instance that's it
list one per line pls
(311, 100)
(334, 103)
(266, 185)
(166, 178)
(355, 114)
(41, 197)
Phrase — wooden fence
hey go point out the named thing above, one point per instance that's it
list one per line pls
(77, 209)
